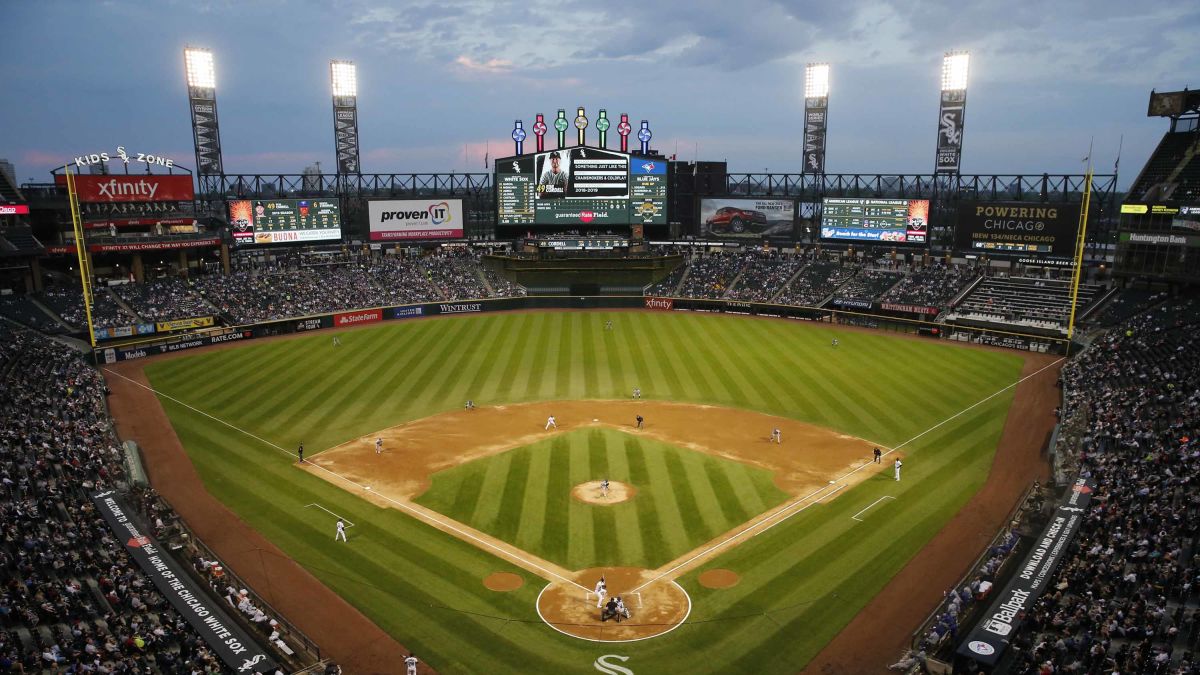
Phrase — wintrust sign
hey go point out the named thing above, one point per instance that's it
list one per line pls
(145, 188)
(415, 219)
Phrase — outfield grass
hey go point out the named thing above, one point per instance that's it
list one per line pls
(801, 581)
(523, 496)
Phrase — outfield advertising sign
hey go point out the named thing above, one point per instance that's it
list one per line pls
(184, 324)
(987, 641)
(415, 219)
(355, 318)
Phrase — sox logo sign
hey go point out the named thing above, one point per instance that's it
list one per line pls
(601, 664)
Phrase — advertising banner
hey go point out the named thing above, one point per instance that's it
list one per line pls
(816, 116)
(987, 641)
(149, 245)
(14, 209)
(660, 303)
(1017, 228)
(747, 218)
(205, 135)
(355, 318)
(951, 117)
(137, 188)
(460, 307)
(184, 324)
(316, 323)
(110, 332)
(889, 221)
(205, 614)
(415, 219)
(406, 312)
(345, 133)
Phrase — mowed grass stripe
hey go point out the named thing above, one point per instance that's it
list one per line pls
(630, 542)
(753, 386)
(531, 526)
(581, 545)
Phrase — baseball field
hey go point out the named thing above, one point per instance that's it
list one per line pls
(476, 536)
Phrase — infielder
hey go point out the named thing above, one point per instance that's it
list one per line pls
(898, 465)
(637, 392)
(601, 592)
(777, 436)
(551, 423)
(379, 445)
(411, 662)
(470, 405)
(341, 531)
(640, 421)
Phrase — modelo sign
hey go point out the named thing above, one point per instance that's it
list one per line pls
(143, 188)
(415, 219)
(1028, 229)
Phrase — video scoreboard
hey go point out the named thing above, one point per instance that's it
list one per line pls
(278, 221)
(581, 186)
(896, 221)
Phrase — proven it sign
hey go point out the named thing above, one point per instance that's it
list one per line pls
(415, 219)
(143, 188)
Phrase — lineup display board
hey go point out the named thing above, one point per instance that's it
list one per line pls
(1028, 230)
(581, 186)
(891, 221)
(281, 221)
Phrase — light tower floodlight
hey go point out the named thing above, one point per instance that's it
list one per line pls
(200, 69)
(344, 76)
(201, 72)
(955, 66)
(816, 116)
(816, 80)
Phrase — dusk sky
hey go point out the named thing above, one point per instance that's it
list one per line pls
(440, 81)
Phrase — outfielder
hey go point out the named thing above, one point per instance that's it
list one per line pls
(835, 343)
(601, 592)
(551, 423)
(898, 465)
(608, 325)
(341, 531)
(337, 341)
(379, 445)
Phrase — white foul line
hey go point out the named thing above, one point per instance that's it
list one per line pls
(331, 513)
(783, 514)
(856, 516)
(448, 524)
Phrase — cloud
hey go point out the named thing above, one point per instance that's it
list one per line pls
(492, 66)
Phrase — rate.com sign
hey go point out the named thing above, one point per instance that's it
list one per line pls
(415, 219)
(143, 188)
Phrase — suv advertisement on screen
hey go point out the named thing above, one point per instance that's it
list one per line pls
(747, 218)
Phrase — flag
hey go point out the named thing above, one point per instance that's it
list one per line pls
(487, 151)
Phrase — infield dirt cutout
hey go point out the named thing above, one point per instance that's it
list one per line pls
(811, 464)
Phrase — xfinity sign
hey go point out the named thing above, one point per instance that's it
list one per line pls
(415, 219)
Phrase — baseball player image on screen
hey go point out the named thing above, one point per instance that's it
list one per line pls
(555, 170)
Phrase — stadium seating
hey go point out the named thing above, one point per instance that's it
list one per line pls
(869, 284)
(816, 282)
(932, 286)
(163, 299)
(67, 302)
(764, 275)
(23, 310)
(1023, 301)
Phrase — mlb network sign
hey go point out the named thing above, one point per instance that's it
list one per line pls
(415, 219)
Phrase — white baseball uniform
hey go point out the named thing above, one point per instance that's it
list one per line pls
(378, 445)
(341, 531)
(898, 465)
(411, 662)
(601, 593)
(551, 423)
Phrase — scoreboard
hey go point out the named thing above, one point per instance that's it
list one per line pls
(581, 186)
(278, 221)
(896, 221)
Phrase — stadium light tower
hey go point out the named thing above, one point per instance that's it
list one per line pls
(201, 73)
(816, 116)
(344, 77)
(952, 111)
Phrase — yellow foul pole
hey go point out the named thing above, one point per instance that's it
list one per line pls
(85, 268)
(1081, 238)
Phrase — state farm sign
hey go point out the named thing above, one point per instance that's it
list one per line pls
(354, 318)
(145, 188)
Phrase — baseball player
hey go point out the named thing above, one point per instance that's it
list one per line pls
(622, 611)
(470, 405)
(601, 592)
(777, 436)
(411, 663)
(379, 445)
(898, 465)
(878, 456)
(835, 343)
(551, 423)
(637, 392)
(608, 325)
(341, 530)
(300, 451)
(604, 488)
(337, 341)
(640, 421)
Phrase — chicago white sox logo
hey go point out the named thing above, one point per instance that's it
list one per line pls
(601, 664)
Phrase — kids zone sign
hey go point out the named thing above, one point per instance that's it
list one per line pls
(415, 219)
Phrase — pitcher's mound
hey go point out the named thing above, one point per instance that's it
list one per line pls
(655, 605)
(718, 578)
(591, 493)
(503, 581)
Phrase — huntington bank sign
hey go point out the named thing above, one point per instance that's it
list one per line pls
(84, 161)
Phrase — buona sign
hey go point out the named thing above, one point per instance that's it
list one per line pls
(127, 157)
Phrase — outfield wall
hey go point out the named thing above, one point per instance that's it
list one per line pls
(888, 319)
